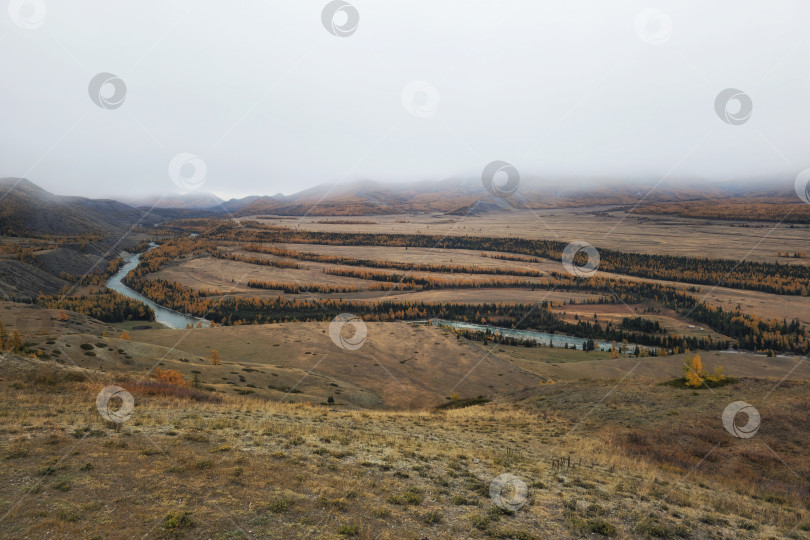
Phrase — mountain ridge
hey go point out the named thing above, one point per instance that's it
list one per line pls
(27, 208)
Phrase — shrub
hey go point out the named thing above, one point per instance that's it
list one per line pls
(44, 378)
(433, 517)
(67, 515)
(382, 512)
(169, 376)
(179, 520)
(717, 377)
(349, 529)
(15, 343)
(63, 484)
(654, 528)
(600, 526)
(480, 522)
(160, 388)
(280, 505)
(326, 502)
(695, 377)
(17, 451)
(411, 497)
(75, 376)
(693, 372)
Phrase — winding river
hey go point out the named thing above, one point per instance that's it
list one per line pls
(559, 340)
(165, 316)
(175, 319)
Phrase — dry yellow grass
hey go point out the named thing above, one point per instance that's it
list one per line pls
(246, 468)
(604, 451)
(398, 366)
(596, 225)
(232, 277)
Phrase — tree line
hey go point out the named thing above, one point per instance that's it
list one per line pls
(295, 288)
(761, 276)
(107, 306)
(255, 260)
(396, 265)
(255, 310)
(421, 282)
(751, 332)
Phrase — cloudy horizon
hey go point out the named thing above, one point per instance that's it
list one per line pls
(269, 98)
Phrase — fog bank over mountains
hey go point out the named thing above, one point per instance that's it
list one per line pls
(538, 192)
(28, 207)
(271, 101)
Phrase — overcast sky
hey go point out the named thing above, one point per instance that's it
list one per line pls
(272, 101)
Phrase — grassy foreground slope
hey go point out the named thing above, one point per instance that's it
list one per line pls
(608, 458)
(399, 366)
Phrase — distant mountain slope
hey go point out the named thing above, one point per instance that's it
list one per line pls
(459, 196)
(481, 207)
(193, 200)
(28, 209)
(258, 201)
(20, 280)
(74, 260)
(368, 197)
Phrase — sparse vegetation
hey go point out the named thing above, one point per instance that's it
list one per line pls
(265, 428)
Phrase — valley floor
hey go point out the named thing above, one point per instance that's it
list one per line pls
(278, 431)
